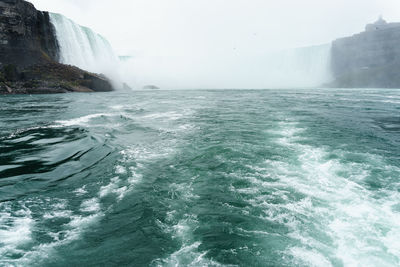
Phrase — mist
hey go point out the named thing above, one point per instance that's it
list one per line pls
(222, 43)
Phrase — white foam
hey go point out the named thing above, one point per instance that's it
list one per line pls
(73, 231)
(139, 155)
(81, 191)
(390, 102)
(15, 230)
(112, 187)
(58, 209)
(81, 120)
(120, 169)
(172, 115)
(309, 257)
(332, 199)
(180, 226)
(256, 233)
(91, 205)
(57, 214)
(19, 232)
(188, 255)
(79, 223)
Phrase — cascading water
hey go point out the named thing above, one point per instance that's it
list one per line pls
(82, 47)
(308, 67)
(311, 63)
(300, 67)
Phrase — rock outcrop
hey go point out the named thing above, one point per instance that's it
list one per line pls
(29, 54)
(368, 59)
(51, 78)
(150, 87)
(26, 35)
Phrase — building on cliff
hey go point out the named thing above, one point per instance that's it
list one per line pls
(368, 59)
(380, 24)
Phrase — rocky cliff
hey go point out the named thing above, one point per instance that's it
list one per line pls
(29, 54)
(368, 59)
(26, 35)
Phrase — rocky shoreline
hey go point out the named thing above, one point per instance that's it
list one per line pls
(50, 78)
(29, 55)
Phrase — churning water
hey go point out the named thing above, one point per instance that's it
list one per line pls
(201, 178)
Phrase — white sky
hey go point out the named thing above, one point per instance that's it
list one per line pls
(186, 31)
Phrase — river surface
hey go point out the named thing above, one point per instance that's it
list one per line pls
(201, 178)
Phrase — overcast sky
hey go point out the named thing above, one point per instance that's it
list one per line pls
(187, 31)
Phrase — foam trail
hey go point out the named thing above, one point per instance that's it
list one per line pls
(15, 230)
(351, 215)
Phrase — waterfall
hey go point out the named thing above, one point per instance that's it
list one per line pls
(300, 67)
(312, 64)
(292, 68)
(82, 47)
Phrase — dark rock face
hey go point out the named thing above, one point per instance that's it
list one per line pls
(51, 78)
(150, 87)
(368, 59)
(27, 36)
(29, 54)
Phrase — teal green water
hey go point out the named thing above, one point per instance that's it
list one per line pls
(201, 178)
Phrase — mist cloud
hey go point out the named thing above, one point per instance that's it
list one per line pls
(216, 43)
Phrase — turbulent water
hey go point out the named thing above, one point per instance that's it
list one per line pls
(201, 178)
